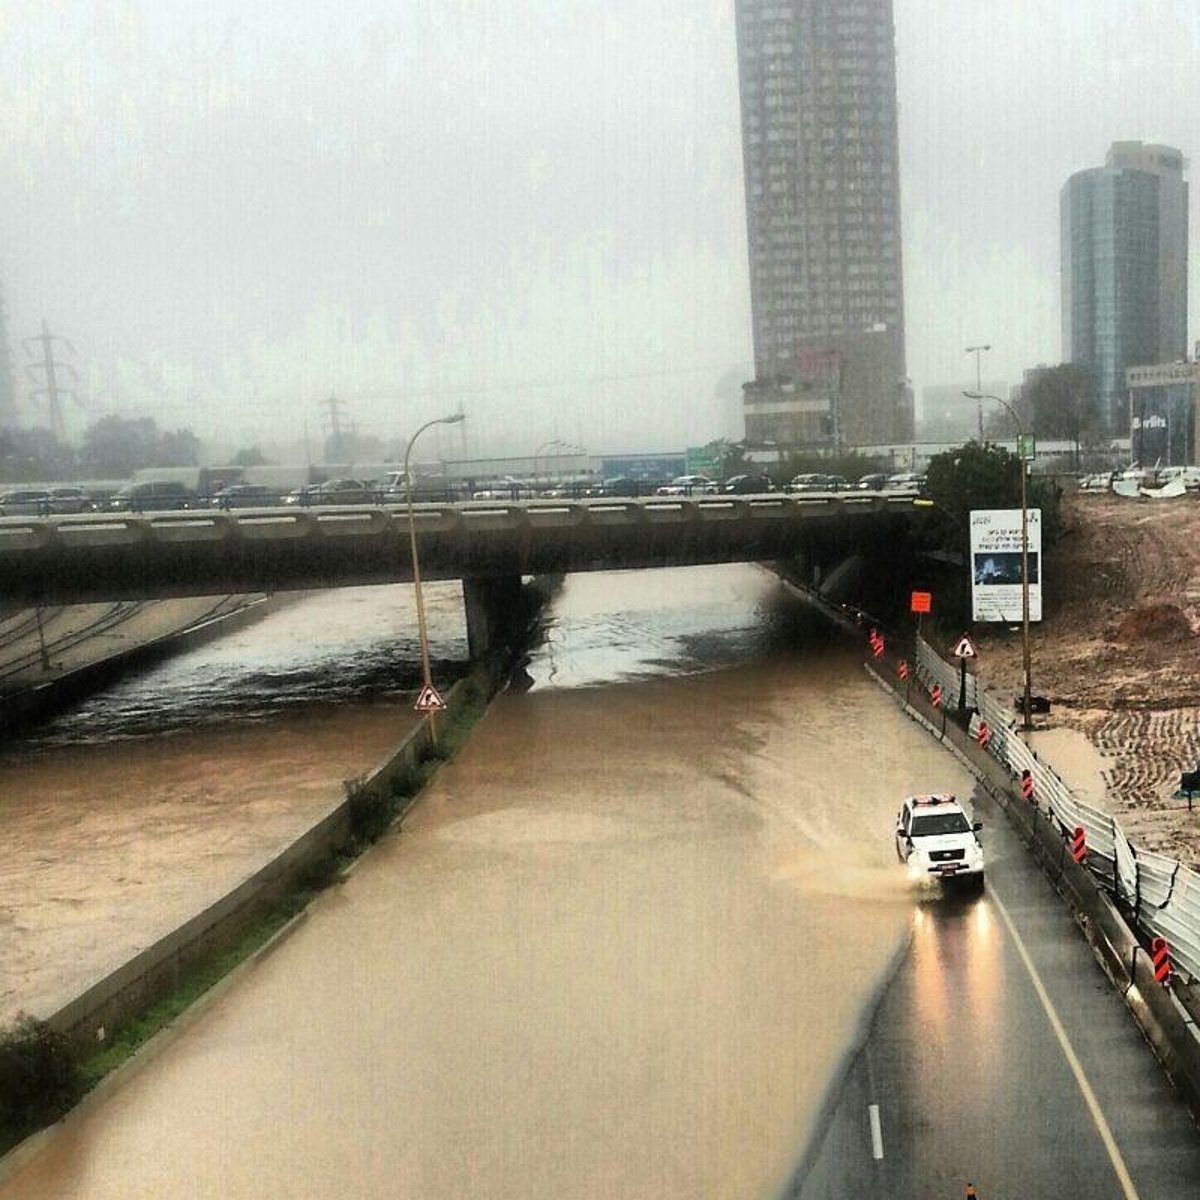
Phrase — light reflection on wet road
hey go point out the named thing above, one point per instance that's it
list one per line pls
(617, 950)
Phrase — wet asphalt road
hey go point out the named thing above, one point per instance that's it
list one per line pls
(971, 1082)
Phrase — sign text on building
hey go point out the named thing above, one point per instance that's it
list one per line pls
(1161, 375)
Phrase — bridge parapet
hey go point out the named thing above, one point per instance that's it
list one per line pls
(73, 558)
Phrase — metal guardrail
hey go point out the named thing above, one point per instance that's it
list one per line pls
(1162, 893)
(931, 669)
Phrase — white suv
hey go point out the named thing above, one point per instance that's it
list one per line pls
(934, 838)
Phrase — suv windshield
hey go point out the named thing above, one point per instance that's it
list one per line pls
(938, 823)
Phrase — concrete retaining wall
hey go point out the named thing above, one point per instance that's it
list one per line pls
(36, 702)
(100, 1011)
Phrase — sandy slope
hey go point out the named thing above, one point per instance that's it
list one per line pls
(1118, 654)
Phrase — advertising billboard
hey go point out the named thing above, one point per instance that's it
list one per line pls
(996, 564)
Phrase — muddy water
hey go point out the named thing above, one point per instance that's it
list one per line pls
(617, 951)
(1077, 762)
(133, 812)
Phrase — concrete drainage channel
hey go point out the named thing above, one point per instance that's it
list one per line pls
(246, 923)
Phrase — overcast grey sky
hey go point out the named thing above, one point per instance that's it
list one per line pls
(533, 207)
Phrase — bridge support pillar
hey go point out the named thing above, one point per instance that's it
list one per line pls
(496, 611)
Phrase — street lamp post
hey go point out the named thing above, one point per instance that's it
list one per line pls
(422, 635)
(1012, 412)
(977, 351)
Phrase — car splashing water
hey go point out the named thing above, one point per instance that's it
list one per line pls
(618, 949)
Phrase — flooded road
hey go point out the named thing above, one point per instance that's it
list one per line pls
(618, 950)
(132, 812)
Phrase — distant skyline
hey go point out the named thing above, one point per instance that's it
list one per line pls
(533, 209)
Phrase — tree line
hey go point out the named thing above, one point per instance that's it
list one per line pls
(112, 448)
(1059, 403)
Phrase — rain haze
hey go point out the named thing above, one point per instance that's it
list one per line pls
(533, 211)
(662, 914)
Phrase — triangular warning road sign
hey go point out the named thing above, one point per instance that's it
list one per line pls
(429, 700)
(965, 648)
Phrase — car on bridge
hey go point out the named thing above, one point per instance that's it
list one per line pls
(244, 495)
(508, 488)
(871, 483)
(152, 495)
(935, 840)
(568, 489)
(617, 485)
(688, 485)
(813, 482)
(334, 491)
(747, 485)
(905, 481)
(426, 489)
(25, 502)
(68, 498)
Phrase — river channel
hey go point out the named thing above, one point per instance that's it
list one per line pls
(134, 810)
(618, 950)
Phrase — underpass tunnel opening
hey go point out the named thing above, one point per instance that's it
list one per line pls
(875, 573)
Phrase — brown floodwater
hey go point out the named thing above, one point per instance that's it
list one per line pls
(135, 810)
(618, 950)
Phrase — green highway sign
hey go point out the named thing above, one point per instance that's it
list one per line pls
(1026, 447)
(704, 460)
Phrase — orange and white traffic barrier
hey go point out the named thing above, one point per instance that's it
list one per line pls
(1027, 784)
(984, 735)
(935, 695)
(902, 669)
(1160, 954)
(1079, 845)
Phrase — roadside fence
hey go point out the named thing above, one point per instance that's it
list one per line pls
(1162, 894)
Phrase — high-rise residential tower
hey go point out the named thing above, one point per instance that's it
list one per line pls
(1124, 267)
(819, 140)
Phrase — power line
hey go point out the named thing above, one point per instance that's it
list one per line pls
(8, 392)
(336, 408)
(50, 367)
(471, 389)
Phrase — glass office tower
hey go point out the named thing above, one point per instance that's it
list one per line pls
(1124, 268)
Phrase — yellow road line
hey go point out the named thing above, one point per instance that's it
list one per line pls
(1106, 1136)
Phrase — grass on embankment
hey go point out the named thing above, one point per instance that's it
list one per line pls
(42, 1077)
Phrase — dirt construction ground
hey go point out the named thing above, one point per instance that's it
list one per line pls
(1118, 655)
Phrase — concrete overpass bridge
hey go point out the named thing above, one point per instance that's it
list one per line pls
(489, 545)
